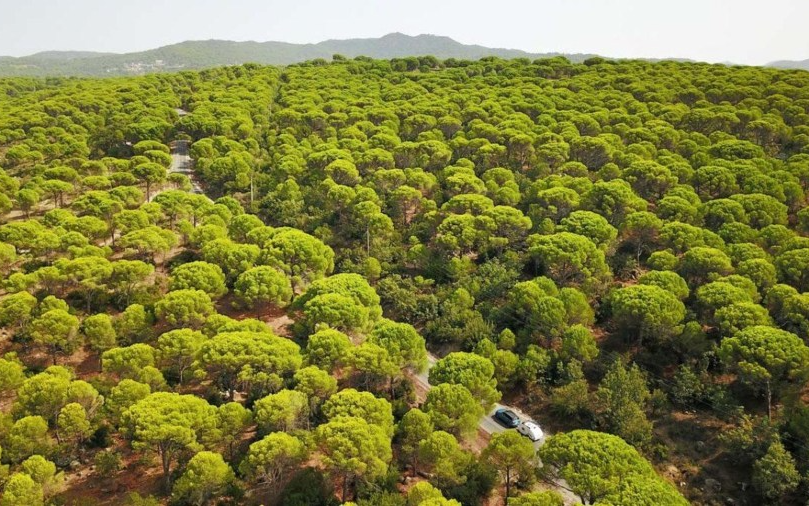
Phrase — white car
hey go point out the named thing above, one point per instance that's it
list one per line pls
(530, 430)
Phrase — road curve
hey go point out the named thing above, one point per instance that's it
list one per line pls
(490, 426)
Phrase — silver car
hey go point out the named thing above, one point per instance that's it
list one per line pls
(530, 430)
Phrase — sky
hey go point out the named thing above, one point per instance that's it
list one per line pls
(738, 31)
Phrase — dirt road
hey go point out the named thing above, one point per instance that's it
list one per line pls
(180, 164)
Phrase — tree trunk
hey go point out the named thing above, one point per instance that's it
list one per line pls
(166, 461)
(345, 486)
(88, 301)
(508, 486)
(769, 401)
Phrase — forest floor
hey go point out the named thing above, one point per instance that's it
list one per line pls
(137, 475)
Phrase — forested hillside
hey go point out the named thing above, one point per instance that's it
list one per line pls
(790, 64)
(202, 54)
(617, 250)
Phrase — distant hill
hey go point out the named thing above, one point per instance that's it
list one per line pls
(790, 64)
(212, 53)
(67, 55)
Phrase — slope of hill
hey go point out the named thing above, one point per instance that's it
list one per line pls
(396, 45)
(211, 53)
(67, 55)
(790, 64)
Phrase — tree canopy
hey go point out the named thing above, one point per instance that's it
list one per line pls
(278, 279)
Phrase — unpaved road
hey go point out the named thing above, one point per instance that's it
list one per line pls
(181, 164)
(490, 426)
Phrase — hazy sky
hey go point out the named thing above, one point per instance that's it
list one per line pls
(742, 31)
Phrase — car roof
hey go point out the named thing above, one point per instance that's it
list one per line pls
(531, 424)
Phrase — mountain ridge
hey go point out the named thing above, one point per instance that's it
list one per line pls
(198, 54)
(790, 64)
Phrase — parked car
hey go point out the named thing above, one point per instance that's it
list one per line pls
(531, 430)
(507, 418)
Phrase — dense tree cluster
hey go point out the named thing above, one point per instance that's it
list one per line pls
(622, 243)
